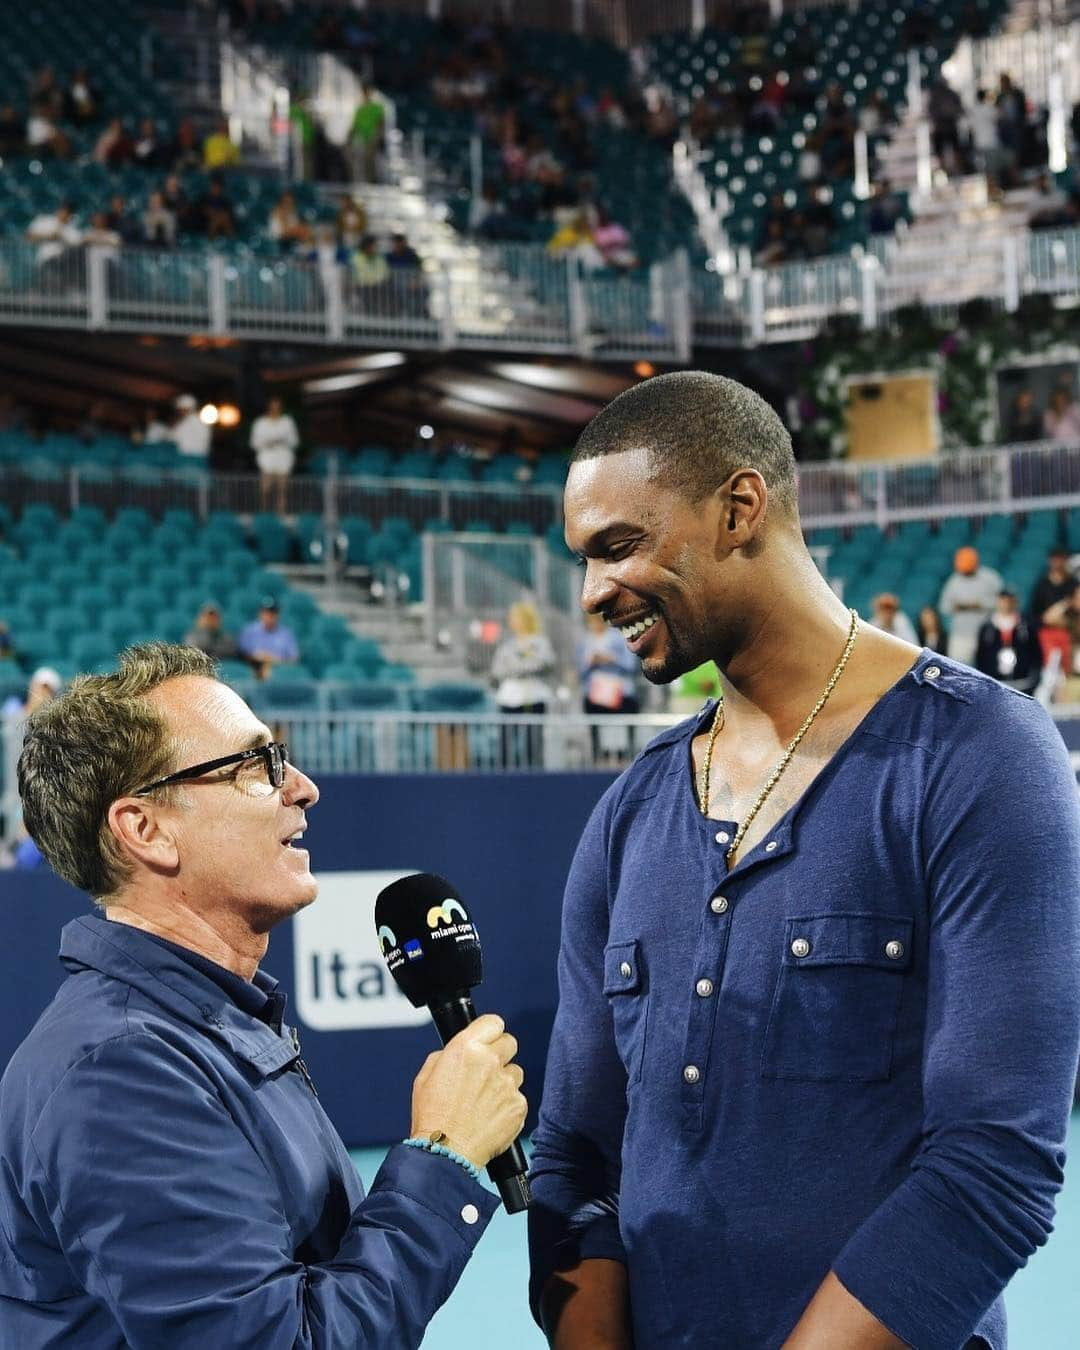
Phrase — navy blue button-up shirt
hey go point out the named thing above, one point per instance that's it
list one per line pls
(854, 1051)
(167, 1179)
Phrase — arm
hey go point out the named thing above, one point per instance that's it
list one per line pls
(578, 1287)
(170, 1215)
(1000, 1053)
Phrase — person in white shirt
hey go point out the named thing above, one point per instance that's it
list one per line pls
(890, 618)
(274, 439)
(55, 232)
(968, 599)
(190, 434)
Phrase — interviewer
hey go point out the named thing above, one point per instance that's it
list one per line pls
(167, 1175)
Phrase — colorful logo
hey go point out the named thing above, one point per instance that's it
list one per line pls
(413, 950)
(387, 938)
(445, 912)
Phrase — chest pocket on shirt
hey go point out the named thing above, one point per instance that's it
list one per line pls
(837, 998)
(624, 986)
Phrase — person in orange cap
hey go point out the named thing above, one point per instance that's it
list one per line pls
(967, 601)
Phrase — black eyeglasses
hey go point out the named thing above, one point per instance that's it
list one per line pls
(274, 755)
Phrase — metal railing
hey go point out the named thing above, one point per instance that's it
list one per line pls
(409, 742)
(842, 492)
(513, 297)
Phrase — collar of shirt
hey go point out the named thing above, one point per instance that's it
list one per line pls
(195, 990)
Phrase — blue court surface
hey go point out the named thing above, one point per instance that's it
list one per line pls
(487, 1311)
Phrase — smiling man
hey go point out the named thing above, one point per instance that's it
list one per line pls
(167, 1175)
(820, 971)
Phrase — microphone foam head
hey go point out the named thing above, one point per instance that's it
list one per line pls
(428, 939)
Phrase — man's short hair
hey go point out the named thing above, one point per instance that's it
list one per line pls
(698, 429)
(99, 740)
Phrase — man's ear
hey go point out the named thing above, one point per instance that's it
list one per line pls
(144, 832)
(745, 500)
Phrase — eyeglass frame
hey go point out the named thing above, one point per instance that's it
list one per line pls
(263, 752)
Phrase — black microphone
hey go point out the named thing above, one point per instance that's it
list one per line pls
(432, 949)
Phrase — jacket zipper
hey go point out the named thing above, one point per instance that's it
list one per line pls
(299, 1062)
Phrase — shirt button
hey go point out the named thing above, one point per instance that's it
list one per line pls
(718, 904)
(894, 950)
(691, 1073)
(770, 846)
(722, 837)
(704, 988)
(800, 948)
(932, 672)
(470, 1214)
(625, 970)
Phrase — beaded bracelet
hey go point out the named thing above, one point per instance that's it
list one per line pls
(433, 1145)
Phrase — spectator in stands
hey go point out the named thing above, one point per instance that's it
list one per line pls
(114, 147)
(82, 102)
(945, 111)
(351, 223)
(43, 136)
(185, 152)
(121, 219)
(267, 642)
(46, 93)
(518, 670)
(1011, 106)
(149, 152)
(886, 208)
(968, 599)
(56, 233)
(274, 440)
(1009, 647)
(45, 683)
(1025, 421)
(213, 213)
(401, 256)
(606, 668)
(99, 235)
(209, 635)
(285, 226)
(154, 431)
(1061, 421)
(190, 433)
(219, 150)
(369, 265)
(1050, 208)
(614, 242)
(12, 132)
(890, 618)
(1053, 609)
(931, 632)
(982, 126)
(367, 131)
(158, 222)
(175, 200)
(774, 247)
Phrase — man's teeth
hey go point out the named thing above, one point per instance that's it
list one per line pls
(636, 629)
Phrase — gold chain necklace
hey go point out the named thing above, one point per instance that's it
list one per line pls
(785, 758)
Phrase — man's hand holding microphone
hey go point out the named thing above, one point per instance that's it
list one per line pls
(470, 1092)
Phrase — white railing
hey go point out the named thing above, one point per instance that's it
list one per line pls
(411, 742)
(959, 483)
(841, 492)
(525, 300)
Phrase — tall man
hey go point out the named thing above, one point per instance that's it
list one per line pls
(167, 1175)
(819, 1009)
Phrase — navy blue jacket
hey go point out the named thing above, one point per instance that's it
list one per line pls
(854, 1051)
(169, 1179)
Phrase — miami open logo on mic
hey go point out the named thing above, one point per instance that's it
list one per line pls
(445, 912)
(387, 938)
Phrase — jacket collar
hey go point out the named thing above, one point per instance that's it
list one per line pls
(123, 953)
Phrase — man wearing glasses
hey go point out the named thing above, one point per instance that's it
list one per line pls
(167, 1175)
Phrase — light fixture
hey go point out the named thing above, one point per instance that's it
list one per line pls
(228, 415)
(644, 369)
(426, 432)
(208, 414)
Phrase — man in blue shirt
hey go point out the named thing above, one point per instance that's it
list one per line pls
(266, 641)
(167, 1174)
(819, 1012)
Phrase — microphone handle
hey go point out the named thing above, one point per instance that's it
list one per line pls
(507, 1170)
